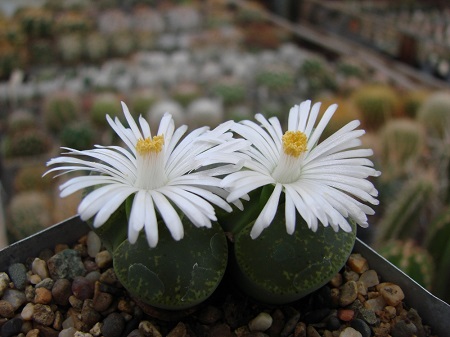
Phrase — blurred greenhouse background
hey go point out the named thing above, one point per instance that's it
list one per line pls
(65, 64)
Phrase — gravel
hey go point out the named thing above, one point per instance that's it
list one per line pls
(73, 292)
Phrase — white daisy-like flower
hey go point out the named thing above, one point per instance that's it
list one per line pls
(161, 171)
(323, 182)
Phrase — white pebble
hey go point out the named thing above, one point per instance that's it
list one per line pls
(262, 322)
(68, 323)
(4, 282)
(96, 329)
(70, 332)
(39, 267)
(350, 332)
(27, 312)
(93, 243)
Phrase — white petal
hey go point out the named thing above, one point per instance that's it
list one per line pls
(151, 222)
(169, 215)
(137, 216)
(137, 133)
(111, 206)
(268, 213)
(290, 215)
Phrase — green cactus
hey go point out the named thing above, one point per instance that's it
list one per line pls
(413, 260)
(30, 178)
(104, 104)
(72, 22)
(19, 121)
(78, 135)
(413, 100)
(434, 114)
(28, 213)
(401, 144)
(42, 52)
(95, 47)
(70, 48)
(317, 75)
(437, 242)
(376, 105)
(281, 268)
(230, 90)
(36, 22)
(185, 93)
(141, 102)
(400, 219)
(28, 143)
(122, 43)
(60, 108)
(276, 78)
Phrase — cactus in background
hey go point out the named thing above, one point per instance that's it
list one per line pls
(28, 213)
(376, 104)
(122, 43)
(277, 79)
(230, 91)
(437, 242)
(317, 75)
(36, 22)
(28, 143)
(42, 52)
(30, 178)
(141, 101)
(72, 22)
(434, 114)
(413, 260)
(401, 144)
(104, 104)
(60, 108)
(185, 93)
(413, 101)
(95, 47)
(78, 135)
(205, 111)
(401, 217)
(20, 121)
(70, 48)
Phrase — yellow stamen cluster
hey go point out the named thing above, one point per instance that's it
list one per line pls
(148, 145)
(294, 143)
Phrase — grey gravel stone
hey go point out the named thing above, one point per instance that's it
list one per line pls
(18, 275)
(113, 325)
(66, 264)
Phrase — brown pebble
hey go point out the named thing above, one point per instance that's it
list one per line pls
(108, 277)
(126, 306)
(43, 315)
(102, 301)
(33, 333)
(148, 329)
(6, 309)
(209, 315)
(336, 281)
(358, 263)
(178, 331)
(57, 322)
(89, 315)
(345, 315)
(375, 304)
(42, 296)
(220, 330)
(103, 259)
(392, 293)
(61, 291)
(369, 278)
(300, 330)
(312, 332)
(60, 247)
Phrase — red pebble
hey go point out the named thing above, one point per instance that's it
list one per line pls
(346, 315)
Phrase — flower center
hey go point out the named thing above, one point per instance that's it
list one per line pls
(147, 145)
(294, 143)
(289, 166)
(150, 163)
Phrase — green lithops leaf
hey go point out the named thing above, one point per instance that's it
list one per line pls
(280, 268)
(174, 275)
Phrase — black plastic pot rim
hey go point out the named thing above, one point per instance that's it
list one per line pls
(433, 310)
